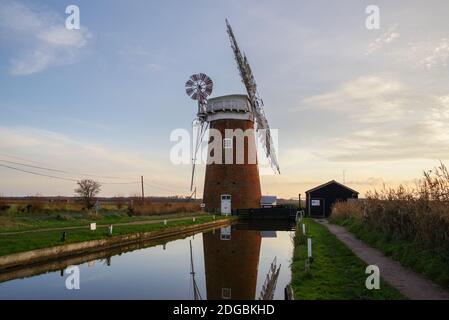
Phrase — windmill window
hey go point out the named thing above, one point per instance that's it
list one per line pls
(227, 143)
(225, 233)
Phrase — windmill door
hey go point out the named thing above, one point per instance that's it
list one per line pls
(226, 204)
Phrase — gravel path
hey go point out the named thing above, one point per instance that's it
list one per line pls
(409, 283)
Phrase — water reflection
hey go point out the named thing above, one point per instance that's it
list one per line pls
(230, 263)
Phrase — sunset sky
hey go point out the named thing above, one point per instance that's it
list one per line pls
(104, 99)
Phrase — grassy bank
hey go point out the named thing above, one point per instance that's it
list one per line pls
(336, 273)
(30, 241)
(14, 223)
(432, 262)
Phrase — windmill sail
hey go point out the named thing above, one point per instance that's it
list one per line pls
(269, 286)
(256, 102)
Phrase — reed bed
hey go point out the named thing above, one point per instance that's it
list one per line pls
(419, 213)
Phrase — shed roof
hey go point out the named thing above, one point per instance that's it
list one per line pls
(331, 182)
(268, 199)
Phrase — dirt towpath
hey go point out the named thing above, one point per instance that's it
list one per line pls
(411, 284)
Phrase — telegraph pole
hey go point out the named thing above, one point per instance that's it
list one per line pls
(143, 194)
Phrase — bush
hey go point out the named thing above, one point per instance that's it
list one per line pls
(418, 214)
(4, 206)
(150, 208)
(349, 209)
(36, 204)
(64, 217)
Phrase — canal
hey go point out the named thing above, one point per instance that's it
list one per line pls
(229, 263)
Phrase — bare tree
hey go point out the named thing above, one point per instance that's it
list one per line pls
(87, 190)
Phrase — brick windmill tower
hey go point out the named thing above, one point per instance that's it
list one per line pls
(232, 175)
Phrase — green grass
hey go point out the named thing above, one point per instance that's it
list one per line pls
(336, 273)
(431, 262)
(14, 223)
(31, 241)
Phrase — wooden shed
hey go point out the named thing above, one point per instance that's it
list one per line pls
(320, 199)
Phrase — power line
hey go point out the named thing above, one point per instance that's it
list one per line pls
(19, 158)
(61, 171)
(46, 168)
(60, 178)
(35, 173)
(159, 187)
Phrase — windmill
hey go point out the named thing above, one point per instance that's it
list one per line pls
(236, 185)
(199, 87)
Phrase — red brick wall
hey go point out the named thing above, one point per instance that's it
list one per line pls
(241, 181)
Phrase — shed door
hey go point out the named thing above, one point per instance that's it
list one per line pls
(226, 204)
(317, 206)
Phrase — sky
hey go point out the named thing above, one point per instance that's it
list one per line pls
(361, 106)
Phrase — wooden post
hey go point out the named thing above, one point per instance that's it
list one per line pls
(309, 248)
(143, 194)
(299, 201)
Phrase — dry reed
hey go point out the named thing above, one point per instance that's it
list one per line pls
(419, 213)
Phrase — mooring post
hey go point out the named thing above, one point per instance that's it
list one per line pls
(165, 222)
(193, 219)
(63, 237)
(303, 229)
(110, 230)
(309, 250)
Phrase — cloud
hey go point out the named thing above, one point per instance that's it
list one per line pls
(371, 181)
(389, 121)
(438, 56)
(366, 99)
(387, 38)
(45, 145)
(424, 138)
(427, 54)
(45, 40)
(154, 67)
(139, 58)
